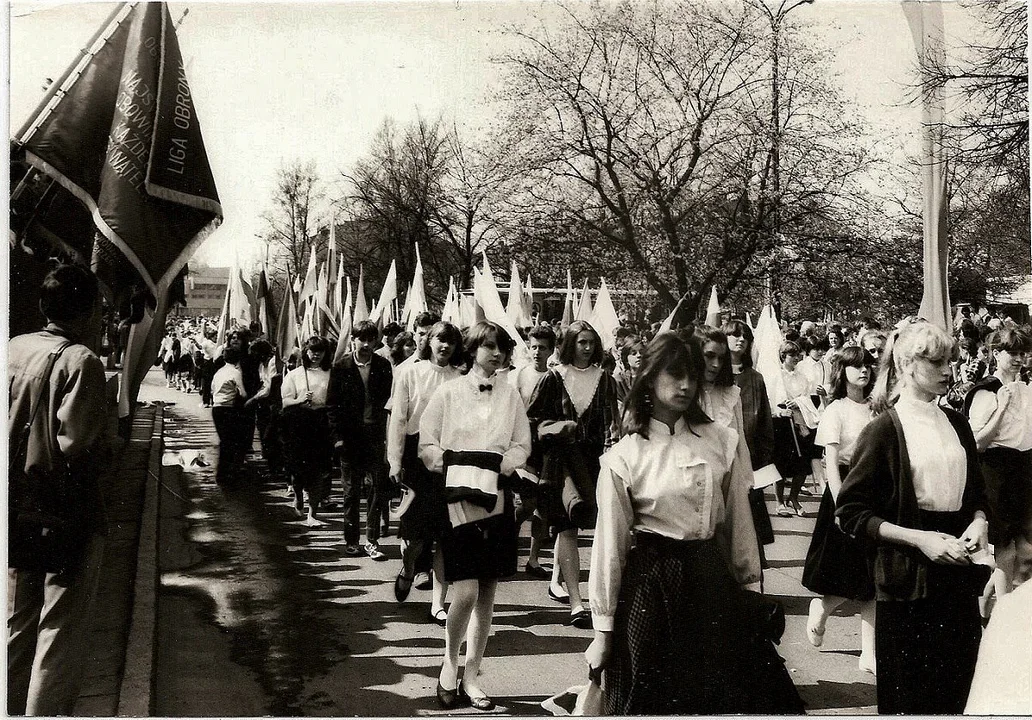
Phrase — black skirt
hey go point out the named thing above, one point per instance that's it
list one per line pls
(1008, 490)
(836, 564)
(926, 649)
(427, 517)
(308, 448)
(482, 550)
(684, 641)
(792, 451)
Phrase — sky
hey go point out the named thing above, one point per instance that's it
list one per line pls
(274, 83)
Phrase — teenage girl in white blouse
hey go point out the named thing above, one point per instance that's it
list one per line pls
(674, 545)
(480, 414)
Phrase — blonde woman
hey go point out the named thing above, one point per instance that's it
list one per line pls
(915, 491)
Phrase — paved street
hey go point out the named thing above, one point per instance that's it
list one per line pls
(258, 614)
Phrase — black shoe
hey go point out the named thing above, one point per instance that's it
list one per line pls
(558, 598)
(581, 619)
(450, 699)
(402, 585)
(538, 571)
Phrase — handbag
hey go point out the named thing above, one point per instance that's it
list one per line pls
(47, 527)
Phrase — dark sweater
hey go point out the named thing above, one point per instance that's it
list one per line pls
(756, 417)
(346, 404)
(880, 488)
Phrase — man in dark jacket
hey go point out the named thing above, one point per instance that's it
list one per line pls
(360, 386)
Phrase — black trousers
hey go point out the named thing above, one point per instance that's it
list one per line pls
(352, 477)
(232, 426)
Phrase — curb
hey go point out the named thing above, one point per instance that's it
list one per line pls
(135, 696)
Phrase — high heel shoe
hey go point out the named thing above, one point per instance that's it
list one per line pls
(450, 699)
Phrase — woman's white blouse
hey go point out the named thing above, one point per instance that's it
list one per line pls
(676, 484)
(1015, 428)
(938, 461)
(414, 384)
(299, 381)
(841, 425)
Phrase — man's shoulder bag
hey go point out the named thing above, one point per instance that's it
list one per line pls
(47, 510)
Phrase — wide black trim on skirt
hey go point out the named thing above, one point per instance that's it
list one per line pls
(1008, 490)
(482, 550)
(836, 564)
(684, 642)
(427, 516)
(926, 649)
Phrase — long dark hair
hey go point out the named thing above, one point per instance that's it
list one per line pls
(568, 347)
(850, 356)
(740, 328)
(708, 334)
(677, 355)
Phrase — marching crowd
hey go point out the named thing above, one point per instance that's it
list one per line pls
(918, 442)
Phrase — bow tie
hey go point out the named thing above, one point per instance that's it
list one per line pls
(484, 388)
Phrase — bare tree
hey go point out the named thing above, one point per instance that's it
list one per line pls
(290, 225)
(649, 126)
(989, 81)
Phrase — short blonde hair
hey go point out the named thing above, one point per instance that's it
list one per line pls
(913, 339)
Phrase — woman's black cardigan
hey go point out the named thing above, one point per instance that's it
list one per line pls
(880, 488)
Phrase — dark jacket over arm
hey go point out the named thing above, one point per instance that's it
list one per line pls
(756, 417)
(880, 488)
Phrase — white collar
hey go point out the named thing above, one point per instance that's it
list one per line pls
(658, 428)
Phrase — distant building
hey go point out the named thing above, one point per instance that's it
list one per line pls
(205, 291)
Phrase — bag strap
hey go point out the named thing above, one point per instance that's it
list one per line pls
(26, 430)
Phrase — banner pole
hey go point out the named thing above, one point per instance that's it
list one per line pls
(71, 75)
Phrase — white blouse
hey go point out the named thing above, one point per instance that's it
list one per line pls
(300, 380)
(723, 405)
(676, 484)
(459, 416)
(227, 385)
(581, 384)
(1015, 428)
(841, 425)
(938, 461)
(414, 383)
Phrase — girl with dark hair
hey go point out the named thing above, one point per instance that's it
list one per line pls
(474, 432)
(793, 437)
(425, 519)
(573, 416)
(756, 420)
(306, 430)
(836, 564)
(673, 548)
(915, 491)
(402, 348)
(630, 360)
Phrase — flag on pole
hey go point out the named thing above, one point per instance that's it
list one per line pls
(668, 324)
(491, 302)
(120, 134)
(516, 307)
(417, 293)
(568, 305)
(361, 307)
(286, 325)
(713, 310)
(604, 318)
(311, 282)
(331, 244)
(926, 25)
(388, 293)
(263, 295)
(450, 312)
(223, 327)
(528, 300)
(338, 290)
(584, 309)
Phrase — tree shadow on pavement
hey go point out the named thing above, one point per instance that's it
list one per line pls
(829, 695)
